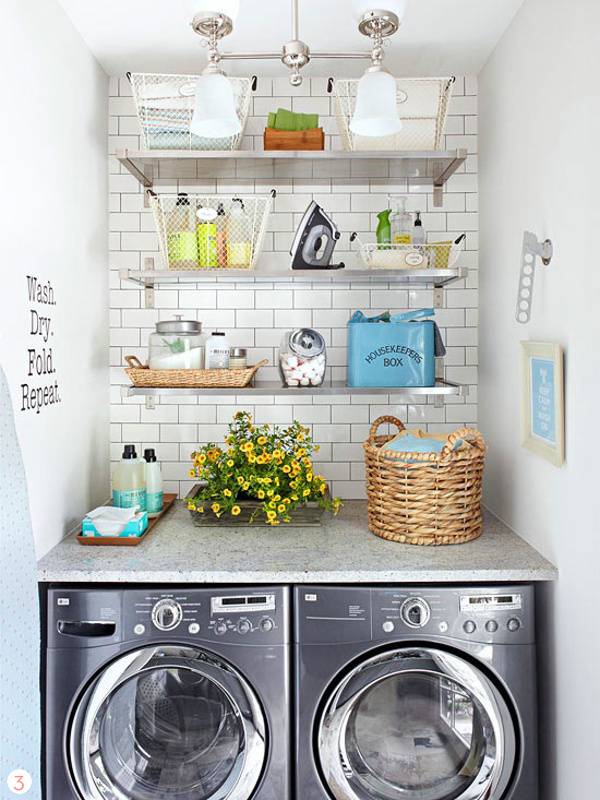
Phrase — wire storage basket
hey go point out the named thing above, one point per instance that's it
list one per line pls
(210, 231)
(431, 255)
(425, 498)
(422, 107)
(165, 105)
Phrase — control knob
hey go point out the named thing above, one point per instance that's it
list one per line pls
(244, 626)
(469, 626)
(491, 626)
(220, 628)
(267, 625)
(513, 624)
(415, 612)
(166, 614)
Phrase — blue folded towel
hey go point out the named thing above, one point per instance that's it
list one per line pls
(418, 443)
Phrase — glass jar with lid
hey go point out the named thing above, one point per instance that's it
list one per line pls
(176, 344)
(302, 358)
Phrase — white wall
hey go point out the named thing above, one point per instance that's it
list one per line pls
(53, 225)
(257, 319)
(539, 170)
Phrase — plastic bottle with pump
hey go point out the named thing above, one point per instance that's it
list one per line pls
(154, 484)
(418, 236)
(129, 483)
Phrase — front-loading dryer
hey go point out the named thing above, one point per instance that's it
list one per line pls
(162, 692)
(422, 693)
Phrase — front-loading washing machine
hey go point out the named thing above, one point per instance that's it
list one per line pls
(162, 692)
(424, 693)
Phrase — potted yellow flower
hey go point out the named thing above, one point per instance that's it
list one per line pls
(264, 476)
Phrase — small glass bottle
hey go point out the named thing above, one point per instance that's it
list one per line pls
(238, 358)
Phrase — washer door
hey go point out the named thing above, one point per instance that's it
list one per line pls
(167, 722)
(416, 724)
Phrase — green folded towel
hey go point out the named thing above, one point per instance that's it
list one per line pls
(284, 120)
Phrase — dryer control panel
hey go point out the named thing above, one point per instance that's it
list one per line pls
(490, 614)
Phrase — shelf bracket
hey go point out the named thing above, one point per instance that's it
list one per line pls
(438, 400)
(133, 169)
(149, 299)
(438, 297)
(440, 179)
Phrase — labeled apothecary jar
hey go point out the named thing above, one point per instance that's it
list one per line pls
(176, 344)
(302, 358)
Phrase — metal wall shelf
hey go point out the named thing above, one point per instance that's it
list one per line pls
(434, 278)
(275, 389)
(427, 168)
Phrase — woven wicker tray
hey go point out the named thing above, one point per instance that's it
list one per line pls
(146, 378)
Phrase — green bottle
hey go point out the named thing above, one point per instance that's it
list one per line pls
(384, 228)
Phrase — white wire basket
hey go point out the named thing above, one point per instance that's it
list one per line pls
(210, 231)
(431, 255)
(422, 106)
(165, 105)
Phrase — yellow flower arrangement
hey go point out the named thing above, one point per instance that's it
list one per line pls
(271, 465)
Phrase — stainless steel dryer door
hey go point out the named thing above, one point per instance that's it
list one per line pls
(416, 724)
(170, 722)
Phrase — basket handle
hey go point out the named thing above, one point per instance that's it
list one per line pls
(133, 362)
(471, 435)
(260, 364)
(381, 421)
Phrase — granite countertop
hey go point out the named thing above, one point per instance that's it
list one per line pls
(342, 551)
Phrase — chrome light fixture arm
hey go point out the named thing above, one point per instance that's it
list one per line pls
(295, 54)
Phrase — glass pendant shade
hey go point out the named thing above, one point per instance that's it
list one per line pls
(376, 111)
(215, 114)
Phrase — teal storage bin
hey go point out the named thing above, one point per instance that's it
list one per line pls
(395, 351)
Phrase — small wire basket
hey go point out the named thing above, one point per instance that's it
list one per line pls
(210, 231)
(432, 255)
(165, 105)
(422, 106)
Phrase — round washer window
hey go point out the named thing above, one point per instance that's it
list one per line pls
(168, 722)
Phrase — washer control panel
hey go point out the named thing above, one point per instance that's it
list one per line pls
(254, 617)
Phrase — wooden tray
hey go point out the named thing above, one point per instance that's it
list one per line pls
(128, 541)
(311, 139)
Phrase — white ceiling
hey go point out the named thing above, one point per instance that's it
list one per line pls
(437, 37)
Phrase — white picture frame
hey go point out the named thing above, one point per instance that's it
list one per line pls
(542, 403)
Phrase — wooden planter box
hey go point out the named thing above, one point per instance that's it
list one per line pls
(309, 515)
(312, 139)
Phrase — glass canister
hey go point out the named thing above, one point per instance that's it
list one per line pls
(177, 344)
(302, 358)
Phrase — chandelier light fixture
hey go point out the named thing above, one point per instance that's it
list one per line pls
(376, 112)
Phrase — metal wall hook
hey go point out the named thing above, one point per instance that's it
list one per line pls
(532, 249)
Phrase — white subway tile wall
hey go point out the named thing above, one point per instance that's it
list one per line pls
(256, 318)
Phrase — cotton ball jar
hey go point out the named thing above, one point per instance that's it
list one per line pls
(302, 358)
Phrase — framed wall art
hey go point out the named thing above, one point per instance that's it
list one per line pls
(543, 405)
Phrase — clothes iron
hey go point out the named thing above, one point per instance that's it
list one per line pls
(315, 240)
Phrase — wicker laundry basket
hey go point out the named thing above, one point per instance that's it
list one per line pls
(433, 499)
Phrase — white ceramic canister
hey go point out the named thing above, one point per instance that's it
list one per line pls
(302, 358)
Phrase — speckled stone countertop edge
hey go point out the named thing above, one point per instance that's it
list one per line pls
(343, 552)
